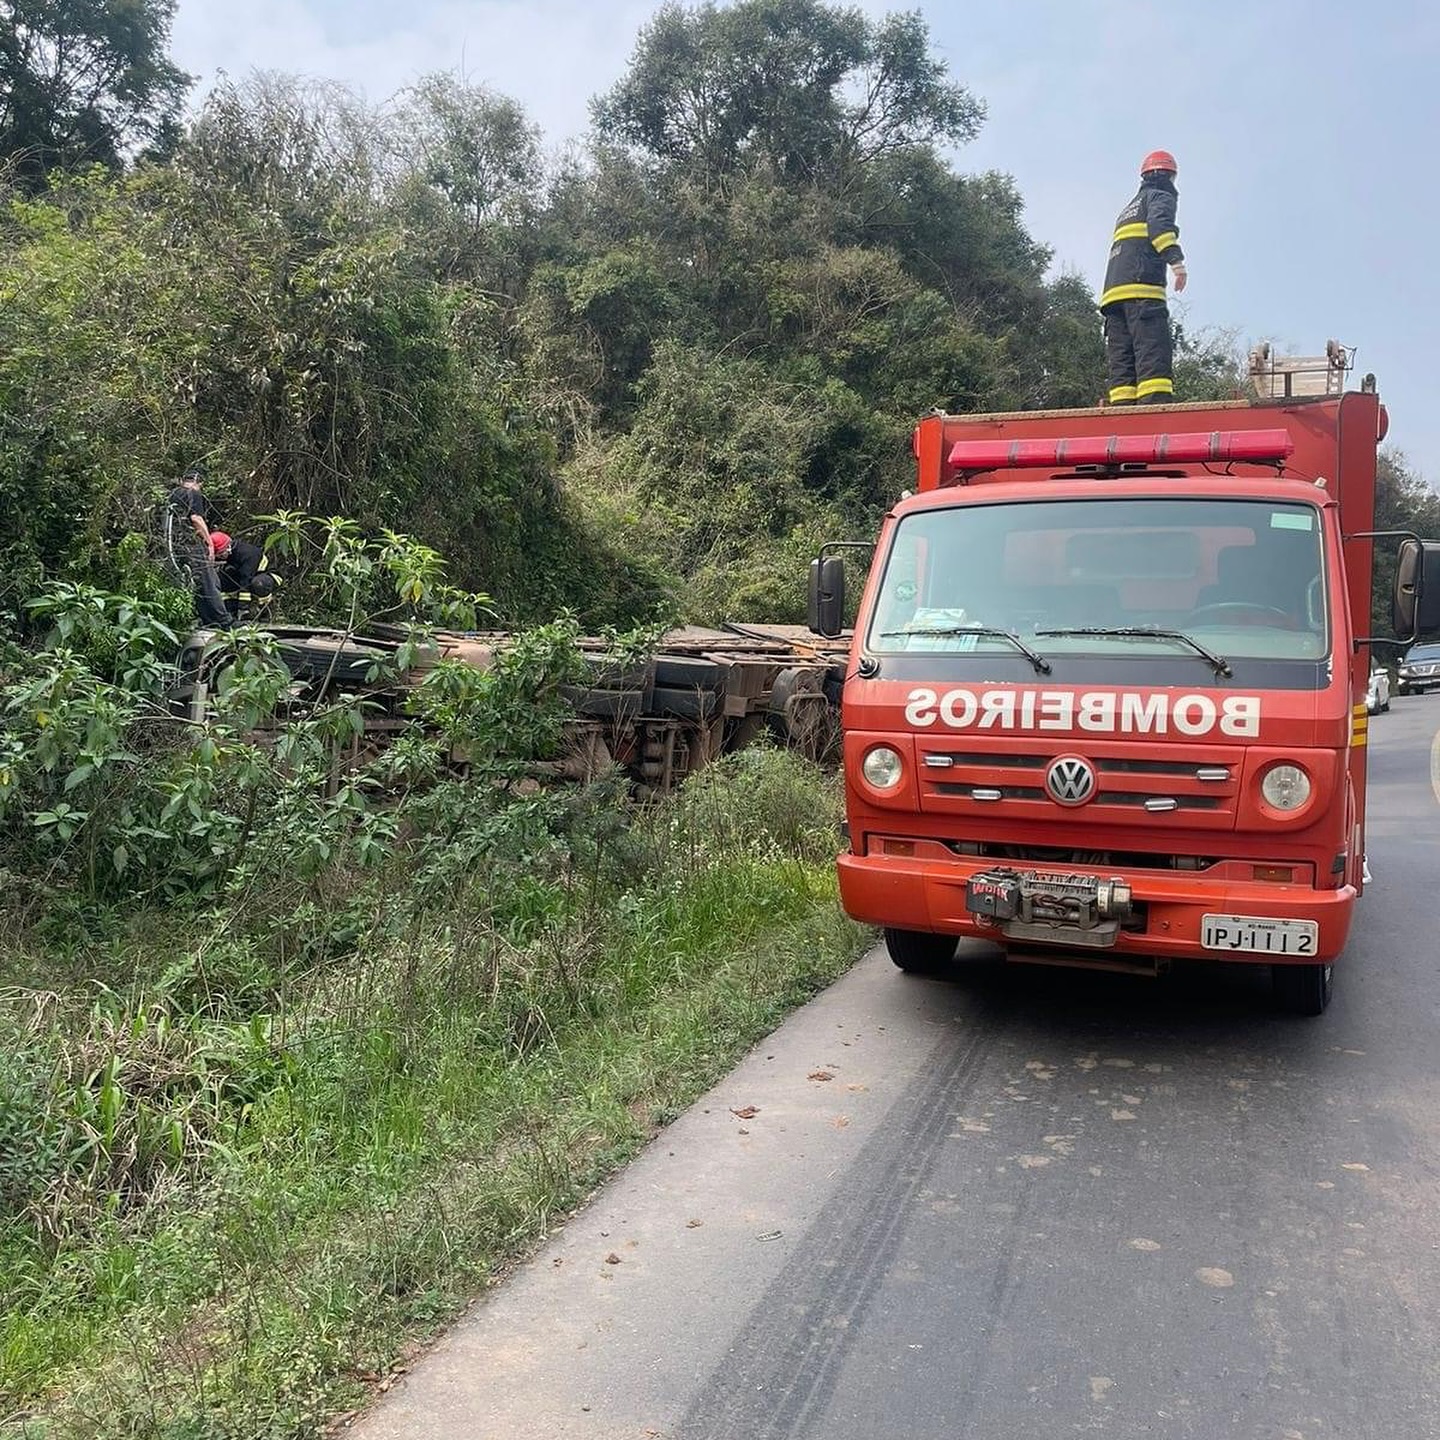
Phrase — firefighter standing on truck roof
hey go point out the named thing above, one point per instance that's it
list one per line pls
(1137, 320)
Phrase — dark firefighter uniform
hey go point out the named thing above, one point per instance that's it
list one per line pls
(245, 578)
(1137, 320)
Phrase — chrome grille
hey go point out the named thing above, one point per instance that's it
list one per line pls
(1192, 783)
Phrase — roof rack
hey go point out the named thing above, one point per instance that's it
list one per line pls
(1284, 377)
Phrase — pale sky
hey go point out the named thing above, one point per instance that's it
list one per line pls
(1305, 134)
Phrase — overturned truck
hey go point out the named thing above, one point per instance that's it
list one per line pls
(701, 694)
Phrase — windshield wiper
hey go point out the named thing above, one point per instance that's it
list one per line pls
(1218, 663)
(1041, 664)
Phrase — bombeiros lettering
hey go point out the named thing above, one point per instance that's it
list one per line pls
(1098, 712)
(958, 708)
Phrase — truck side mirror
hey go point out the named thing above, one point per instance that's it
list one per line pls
(825, 612)
(1415, 601)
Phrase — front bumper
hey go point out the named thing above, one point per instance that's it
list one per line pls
(917, 894)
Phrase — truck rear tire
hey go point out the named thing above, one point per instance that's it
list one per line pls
(689, 672)
(687, 704)
(918, 952)
(601, 704)
(1303, 989)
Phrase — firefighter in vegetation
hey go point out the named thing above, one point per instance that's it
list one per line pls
(1137, 320)
(193, 549)
(245, 578)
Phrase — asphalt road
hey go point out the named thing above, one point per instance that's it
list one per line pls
(1020, 1205)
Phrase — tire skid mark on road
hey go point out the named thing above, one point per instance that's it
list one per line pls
(787, 1357)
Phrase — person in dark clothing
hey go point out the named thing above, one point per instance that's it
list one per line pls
(245, 578)
(191, 513)
(1137, 319)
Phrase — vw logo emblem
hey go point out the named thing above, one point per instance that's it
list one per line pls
(1070, 780)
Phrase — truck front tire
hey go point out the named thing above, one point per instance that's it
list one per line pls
(1303, 989)
(918, 952)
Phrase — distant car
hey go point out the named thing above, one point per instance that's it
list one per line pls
(1419, 670)
(1377, 697)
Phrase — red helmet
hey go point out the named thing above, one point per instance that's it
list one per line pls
(1159, 160)
(219, 541)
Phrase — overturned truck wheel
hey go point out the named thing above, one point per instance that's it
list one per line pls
(801, 711)
(691, 704)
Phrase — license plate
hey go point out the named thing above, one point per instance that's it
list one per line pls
(1254, 935)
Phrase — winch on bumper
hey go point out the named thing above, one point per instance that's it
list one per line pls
(1056, 907)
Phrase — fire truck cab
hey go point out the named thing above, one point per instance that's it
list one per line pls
(1106, 694)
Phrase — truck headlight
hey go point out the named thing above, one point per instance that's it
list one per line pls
(882, 767)
(1286, 787)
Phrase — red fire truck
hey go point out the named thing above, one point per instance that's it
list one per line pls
(1105, 703)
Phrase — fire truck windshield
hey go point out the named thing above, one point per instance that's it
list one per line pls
(1234, 578)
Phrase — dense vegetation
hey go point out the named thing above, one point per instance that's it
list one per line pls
(658, 367)
(248, 1149)
(662, 366)
(291, 1059)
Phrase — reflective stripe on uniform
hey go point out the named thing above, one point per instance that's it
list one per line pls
(1131, 232)
(1122, 392)
(1131, 292)
(1163, 242)
(1154, 387)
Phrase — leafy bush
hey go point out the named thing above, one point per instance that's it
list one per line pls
(114, 795)
(230, 1135)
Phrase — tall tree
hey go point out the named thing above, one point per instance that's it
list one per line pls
(806, 90)
(465, 176)
(476, 147)
(84, 80)
(1403, 501)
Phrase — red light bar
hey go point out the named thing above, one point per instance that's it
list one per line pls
(1254, 445)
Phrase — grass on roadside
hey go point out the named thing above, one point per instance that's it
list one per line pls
(389, 1133)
